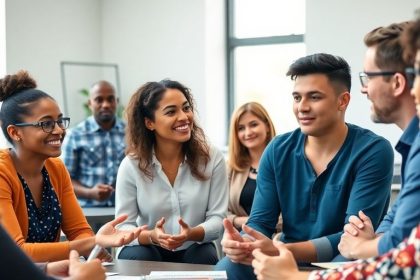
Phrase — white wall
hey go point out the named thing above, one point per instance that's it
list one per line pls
(149, 40)
(3, 142)
(180, 40)
(338, 27)
(40, 34)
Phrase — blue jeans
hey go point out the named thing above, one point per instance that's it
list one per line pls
(235, 270)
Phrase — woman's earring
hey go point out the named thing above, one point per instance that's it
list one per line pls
(18, 139)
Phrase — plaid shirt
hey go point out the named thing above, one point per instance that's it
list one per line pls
(93, 155)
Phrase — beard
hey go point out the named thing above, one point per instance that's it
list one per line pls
(105, 118)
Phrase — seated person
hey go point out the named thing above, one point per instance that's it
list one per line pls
(400, 263)
(391, 104)
(316, 176)
(93, 150)
(36, 196)
(251, 129)
(171, 180)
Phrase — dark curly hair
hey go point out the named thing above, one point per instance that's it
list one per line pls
(19, 96)
(140, 140)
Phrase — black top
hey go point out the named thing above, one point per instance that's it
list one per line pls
(247, 195)
(44, 222)
(14, 264)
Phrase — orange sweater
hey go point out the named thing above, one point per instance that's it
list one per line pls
(15, 213)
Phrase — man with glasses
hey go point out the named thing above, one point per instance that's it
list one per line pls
(93, 150)
(387, 81)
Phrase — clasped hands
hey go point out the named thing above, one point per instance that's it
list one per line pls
(159, 237)
(358, 237)
(269, 258)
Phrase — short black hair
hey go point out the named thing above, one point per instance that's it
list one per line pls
(334, 67)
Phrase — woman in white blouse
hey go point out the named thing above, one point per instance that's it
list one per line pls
(171, 179)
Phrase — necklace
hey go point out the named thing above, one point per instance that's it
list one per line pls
(253, 170)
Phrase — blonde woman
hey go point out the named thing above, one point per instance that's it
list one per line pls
(251, 129)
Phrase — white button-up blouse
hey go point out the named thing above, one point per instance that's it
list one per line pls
(199, 203)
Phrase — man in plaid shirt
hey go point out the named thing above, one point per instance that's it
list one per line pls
(94, 149)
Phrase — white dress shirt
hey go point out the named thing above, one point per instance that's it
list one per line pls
(198, 203)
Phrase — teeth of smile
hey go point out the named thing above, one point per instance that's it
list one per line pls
(55, 142)
(182, 127)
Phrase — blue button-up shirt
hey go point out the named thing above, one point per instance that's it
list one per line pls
(315, 207)
(92, 155)
(405, 213)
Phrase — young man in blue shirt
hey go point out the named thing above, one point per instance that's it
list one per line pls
(386, 85)
(316, 176)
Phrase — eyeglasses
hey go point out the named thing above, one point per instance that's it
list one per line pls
(411, 74)
(48, 126)
(365, 76)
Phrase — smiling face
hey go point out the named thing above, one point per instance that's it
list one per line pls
(415, 91)
(173, 118)
(252, 131)
(317, 106)
(34, 140)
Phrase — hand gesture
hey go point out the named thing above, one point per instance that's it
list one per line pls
(356, 234)
(58, 269)
(109, 236)
(260, 241)
(360, 226)
(175, 241)
(92, 270)
(101, 192)
(233, 244)
(282, 266)
(158, 235)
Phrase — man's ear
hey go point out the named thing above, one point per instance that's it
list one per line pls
(150, 125)
(399, 84)
(344, 100)
(14, 133)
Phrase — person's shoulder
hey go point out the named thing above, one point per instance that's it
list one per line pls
(365, 136)
(5, 160)
(290, 138)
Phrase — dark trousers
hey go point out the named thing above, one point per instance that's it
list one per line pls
(204, 253)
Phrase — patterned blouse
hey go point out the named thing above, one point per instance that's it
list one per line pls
(400, 263)
(45, 221)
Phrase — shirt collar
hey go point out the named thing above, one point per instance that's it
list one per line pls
(94, 126)
(409, 135)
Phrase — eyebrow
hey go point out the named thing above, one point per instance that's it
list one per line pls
(307, 93)
(50, 117)
(174, 106)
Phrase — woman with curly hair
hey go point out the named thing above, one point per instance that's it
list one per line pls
(171, 179)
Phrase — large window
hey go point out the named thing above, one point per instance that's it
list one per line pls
(264, 38)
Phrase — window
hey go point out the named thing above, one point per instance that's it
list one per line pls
(264, 38)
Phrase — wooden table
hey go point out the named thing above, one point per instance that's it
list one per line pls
(137, 268)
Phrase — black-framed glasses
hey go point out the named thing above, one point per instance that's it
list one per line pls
(365, 76)
(411, 74)
(48, 126)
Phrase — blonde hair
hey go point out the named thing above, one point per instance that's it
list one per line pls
(238, 156)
